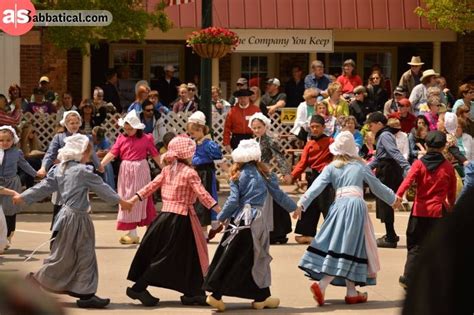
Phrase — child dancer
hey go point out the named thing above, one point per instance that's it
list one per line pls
(436, 194)
(133, 148)
(10, 159)
(71, 267)
(390, 168)
(207, 151)
(259, 123)
(72, 122)
(344, 252)
(315, 155)
(241, 265)
(173, 252)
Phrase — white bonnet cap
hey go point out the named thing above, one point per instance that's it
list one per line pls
(67, 113)
(450, 122)
(74, 148)
(261, 117)
(248, 150)
(344, 144)
(197, 117)
(12, 130)
(132, 119)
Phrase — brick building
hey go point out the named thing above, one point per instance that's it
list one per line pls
(369, 31)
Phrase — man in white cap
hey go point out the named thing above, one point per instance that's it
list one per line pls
(411, 77)
(273, 99)
(49, 95)
(167, 86)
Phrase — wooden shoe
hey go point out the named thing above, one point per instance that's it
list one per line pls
(127, 240)
(359, 298)
(318, 296)
(301, 239)
(214, 232)
(270, 302)
(218, 304)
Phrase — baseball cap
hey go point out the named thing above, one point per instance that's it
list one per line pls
(399, 90)
(405, 102)
(274, 81)
(44, 79)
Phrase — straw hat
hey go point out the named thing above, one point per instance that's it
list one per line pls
(416, 61)
(428, 73)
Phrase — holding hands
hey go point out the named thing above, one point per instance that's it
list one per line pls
(297, 212)
(126, 205)
(398, 203)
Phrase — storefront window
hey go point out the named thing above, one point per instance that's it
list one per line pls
(382, 59)
(255, 69)
(337, 59)
(159, 59)
(131, 60)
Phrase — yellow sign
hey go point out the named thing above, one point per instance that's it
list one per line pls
(288, 116)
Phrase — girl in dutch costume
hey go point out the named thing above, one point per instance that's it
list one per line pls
(133, 147)
(344, 251)
(10, 159)
(173, 252)
(241, 264)
(259, 123)
(207, 151)
(71, 267)
(71, 122)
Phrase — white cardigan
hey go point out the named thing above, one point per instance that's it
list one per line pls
(301, 120)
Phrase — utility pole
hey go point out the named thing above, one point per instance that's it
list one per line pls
(206, 66)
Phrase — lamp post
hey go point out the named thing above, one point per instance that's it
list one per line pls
(206, 66)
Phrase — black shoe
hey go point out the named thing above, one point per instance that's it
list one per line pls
(194, 300)
(145, 297)
(93, 302)
(279, 241)
(385, 242)
(402, 281)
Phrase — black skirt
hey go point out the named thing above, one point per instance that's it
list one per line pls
(391, 175)
(167, 256)
(281, 223)
(230, 272)
(206, 172)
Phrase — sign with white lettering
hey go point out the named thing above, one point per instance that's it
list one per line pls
(271, 40)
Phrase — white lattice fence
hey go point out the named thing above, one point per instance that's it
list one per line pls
(46, 127)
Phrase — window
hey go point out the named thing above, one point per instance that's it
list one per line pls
(159, 58)
(383, 59)
(255, 69)
(337, 59)
(132, 60)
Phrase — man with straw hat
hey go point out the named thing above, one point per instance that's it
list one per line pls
(419, 94)
(411, 77)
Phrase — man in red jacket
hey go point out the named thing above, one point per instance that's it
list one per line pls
(407, 120)
(236, 126)
(315, 155)
(435, 195)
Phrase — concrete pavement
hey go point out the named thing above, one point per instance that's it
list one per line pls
(288, 282)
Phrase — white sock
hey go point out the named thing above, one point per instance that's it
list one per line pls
(324, 282)
(214, 224)
(133, 233)
(351, 288)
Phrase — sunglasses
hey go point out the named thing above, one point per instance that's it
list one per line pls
(375, 78)
(240, 84)
(191, 90)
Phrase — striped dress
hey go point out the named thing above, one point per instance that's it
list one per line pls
(134, 174)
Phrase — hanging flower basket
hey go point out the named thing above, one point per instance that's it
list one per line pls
(213, 42)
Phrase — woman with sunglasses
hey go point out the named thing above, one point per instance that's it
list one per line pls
(377, 94)
(466, 94)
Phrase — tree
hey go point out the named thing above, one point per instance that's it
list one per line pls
(456, 15)
(130, 21)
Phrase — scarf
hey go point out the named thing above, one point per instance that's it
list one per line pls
(432, 160)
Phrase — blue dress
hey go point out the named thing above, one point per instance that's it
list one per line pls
(203, 161)
(339, 248)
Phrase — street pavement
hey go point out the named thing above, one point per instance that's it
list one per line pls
(288, 282)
